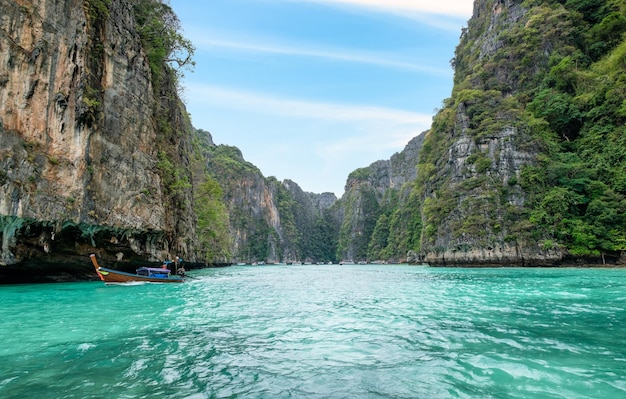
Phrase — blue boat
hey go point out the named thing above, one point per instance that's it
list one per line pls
(145, 274)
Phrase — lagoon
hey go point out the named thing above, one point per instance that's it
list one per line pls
(321, 331)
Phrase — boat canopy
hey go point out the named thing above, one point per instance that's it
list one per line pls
(153, 271)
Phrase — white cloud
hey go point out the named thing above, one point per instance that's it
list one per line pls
(317, 143)
(383, 60)
(375, 142)
(261, 103)
(455, 8)
(340, 156)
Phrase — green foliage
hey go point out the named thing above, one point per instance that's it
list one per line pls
(230, 158)
(434, 213)
(405, 226)
(559, 110)
(382, 245)
(175, 179)
(479, 107)
(356, 231)
(569, 204)
(259, 235)
(602, 26)
(580, 198)
(97, 9)
(322, 240)
(360, 174)
(481, 162)
(593, 11)
(213, 223)
(564, 75)
(569, 109)
(163, 42)
(379, 240)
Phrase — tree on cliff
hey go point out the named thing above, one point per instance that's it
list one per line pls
(160, 31)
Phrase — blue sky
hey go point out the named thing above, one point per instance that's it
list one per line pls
(311, 90)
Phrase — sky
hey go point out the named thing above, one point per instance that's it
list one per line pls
(311, 90)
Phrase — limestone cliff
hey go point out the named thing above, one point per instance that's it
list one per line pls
(82, 147)
(316, 222)
(270, 221)
(524, 164)
(506, 172)
(371, 193)
(514, 170)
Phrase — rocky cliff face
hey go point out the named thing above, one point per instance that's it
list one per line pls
(513, 170)
(80, 141)
(270, 221)
(472, 200)
(369, 193)
(468, 217)
(316, 222)
(254, 219)
(495, 157)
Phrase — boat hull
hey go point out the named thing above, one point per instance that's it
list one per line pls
(114, 276)
(110, 276)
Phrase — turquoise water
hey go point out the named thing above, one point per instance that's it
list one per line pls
(321, 332)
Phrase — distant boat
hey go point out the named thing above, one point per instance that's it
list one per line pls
(144, 274)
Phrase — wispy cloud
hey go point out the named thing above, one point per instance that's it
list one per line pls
(454, 8)
(376, 142)
(383, 60)
(345, 154)
(318, 143)
(266, 104)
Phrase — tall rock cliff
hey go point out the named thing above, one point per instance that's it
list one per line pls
(269, 221)
(525, 164)
(506, 172)
(371, 195)
(87, 139)
(316, 223)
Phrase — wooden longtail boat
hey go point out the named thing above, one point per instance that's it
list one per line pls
(145, 274)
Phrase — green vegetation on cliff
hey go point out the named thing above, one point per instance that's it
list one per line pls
(577, 192)
(528, 155)
(568, 109)
(163, 42)
(213, 234)
(397, 228)
(361, 210)
(268, 220)
(242, 218)
(168, 53)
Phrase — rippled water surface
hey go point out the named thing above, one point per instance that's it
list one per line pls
(321, 332)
